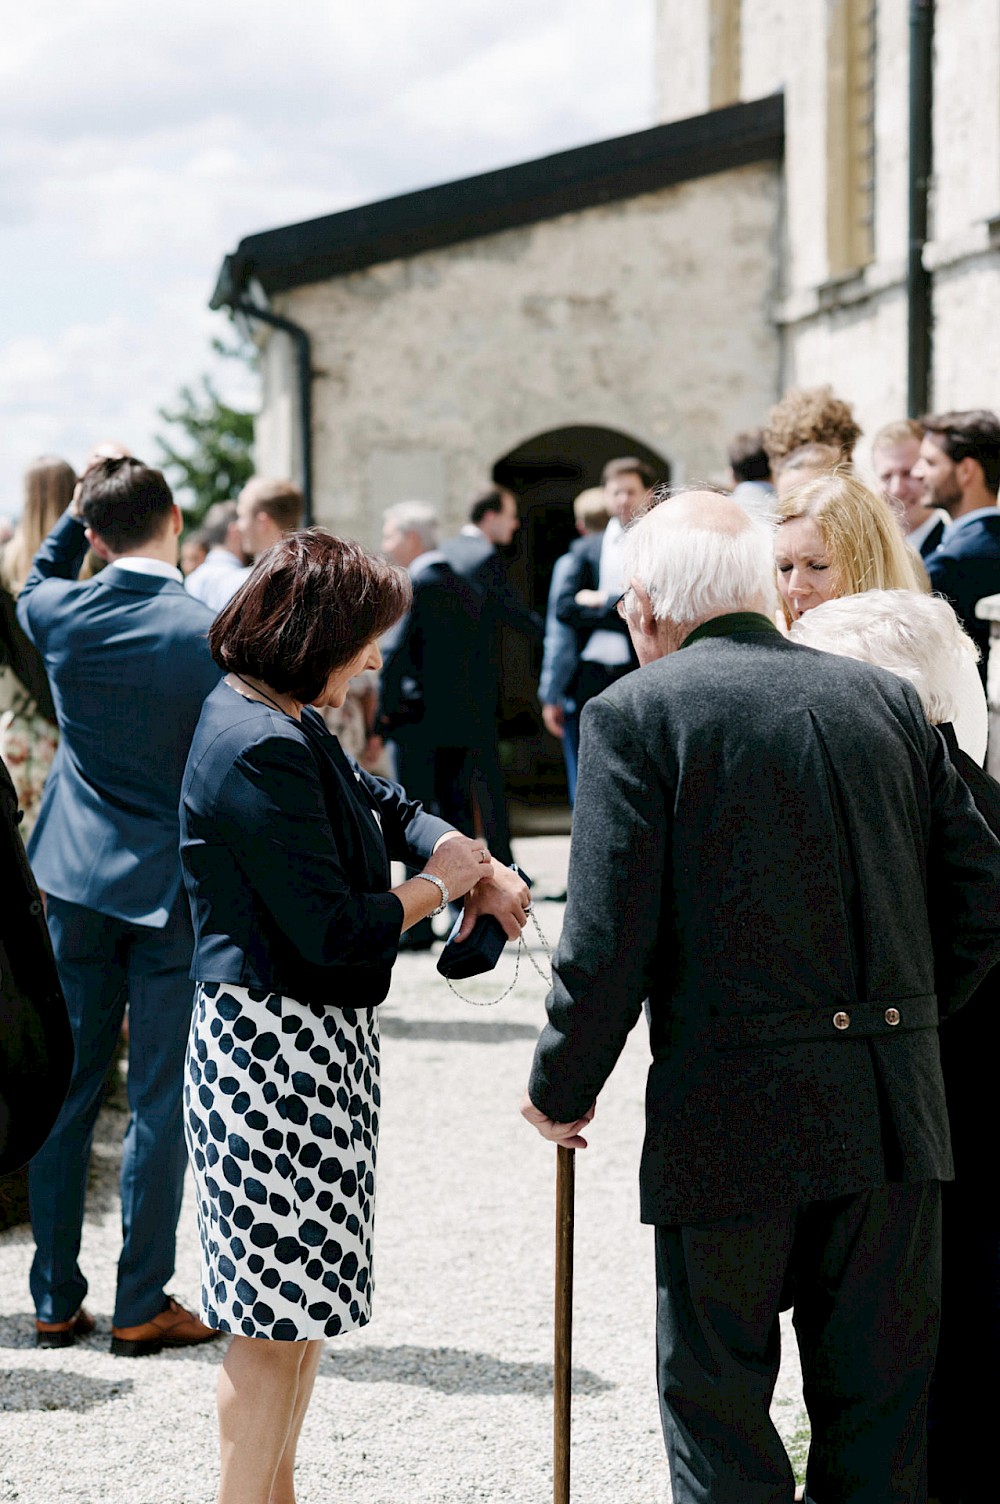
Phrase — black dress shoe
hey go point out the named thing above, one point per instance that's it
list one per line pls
(64, 1333)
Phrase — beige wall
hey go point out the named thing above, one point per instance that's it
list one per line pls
(653, 317)
(854, 334)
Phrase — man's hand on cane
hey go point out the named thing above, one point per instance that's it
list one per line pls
(565, 1134)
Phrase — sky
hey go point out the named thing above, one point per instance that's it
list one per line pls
(139, 144)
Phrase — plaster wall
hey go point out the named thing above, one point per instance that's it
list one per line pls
(682, 59)
(966, 357)
(854, 335)
(653, 317)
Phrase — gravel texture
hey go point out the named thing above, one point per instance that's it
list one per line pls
(446, 1396)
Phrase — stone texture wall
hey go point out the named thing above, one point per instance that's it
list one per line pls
(854, 335)
(654, 317)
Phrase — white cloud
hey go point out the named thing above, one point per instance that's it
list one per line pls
(138, 145)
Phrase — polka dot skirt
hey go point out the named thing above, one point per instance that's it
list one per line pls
(281, 1118)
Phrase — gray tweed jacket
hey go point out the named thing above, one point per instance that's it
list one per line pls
(769, 844)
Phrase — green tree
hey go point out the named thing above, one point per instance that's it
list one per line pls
(212, 457)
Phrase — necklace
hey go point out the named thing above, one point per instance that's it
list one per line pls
(264, 696)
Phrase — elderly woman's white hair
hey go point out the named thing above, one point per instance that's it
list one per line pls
(699, 554)
(915, 636)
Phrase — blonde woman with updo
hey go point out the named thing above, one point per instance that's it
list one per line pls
(836, 538)
(28, 733)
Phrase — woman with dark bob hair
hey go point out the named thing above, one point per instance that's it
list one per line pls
(286, 845)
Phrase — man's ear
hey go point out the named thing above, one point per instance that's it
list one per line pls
(176, 520)
(98, 544)
(645, 618)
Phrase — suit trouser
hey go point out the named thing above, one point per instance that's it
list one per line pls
(103, 963)
(451, 781)
(864, 1272)
(965, 1393)
(440, 777)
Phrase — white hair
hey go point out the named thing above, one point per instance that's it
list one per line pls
(915, 636)
(693, 571)
(415, 517)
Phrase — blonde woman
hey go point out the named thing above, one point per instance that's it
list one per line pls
(835, 538)
(28, 735)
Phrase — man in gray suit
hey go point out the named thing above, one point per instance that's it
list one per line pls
(771, 846)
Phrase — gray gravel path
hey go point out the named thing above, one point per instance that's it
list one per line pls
(446, 1396)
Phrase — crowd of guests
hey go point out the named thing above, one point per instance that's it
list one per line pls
(217, 826)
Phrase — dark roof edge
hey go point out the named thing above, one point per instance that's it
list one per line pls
(449, 213)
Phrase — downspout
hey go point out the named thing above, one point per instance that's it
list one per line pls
(303, 348)
(918, 278)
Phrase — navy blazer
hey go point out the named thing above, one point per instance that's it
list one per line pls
(128, 660)
(285, 845)
(431, 673)
(964, 568)
(476, 560)
(586, 553)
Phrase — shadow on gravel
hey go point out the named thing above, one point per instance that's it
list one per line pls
(452, 1371)
(30, 1389)
(18, 1331)
(466, 1031)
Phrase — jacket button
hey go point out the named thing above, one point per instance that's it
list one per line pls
(841, 1021)
(34, 907)
(892, 1016)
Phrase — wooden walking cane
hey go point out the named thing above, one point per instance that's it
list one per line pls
(563, 1376)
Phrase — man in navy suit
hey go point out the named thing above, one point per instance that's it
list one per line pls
(959, 466)
(473, 555)
(587, 600)
(128, 659)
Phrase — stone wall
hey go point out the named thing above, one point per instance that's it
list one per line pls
(853, 333)
(654, 317)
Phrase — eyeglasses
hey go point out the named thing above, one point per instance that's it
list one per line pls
(623, 604)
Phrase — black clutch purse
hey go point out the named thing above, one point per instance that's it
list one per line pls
(483, 948)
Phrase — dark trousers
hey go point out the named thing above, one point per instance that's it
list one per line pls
(864, 1273)
(441, 778)
(571, 748)
(103, 963)
(455, 782)
(965, 1393)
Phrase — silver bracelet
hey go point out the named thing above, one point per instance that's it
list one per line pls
(429, 877)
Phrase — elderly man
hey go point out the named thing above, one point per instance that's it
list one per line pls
(755, 832)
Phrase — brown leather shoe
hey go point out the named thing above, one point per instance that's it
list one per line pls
(174, 1327)
(64, 1333)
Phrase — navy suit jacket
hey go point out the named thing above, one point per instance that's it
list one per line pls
(431, 674)
(128, 660)
(964, 569)
(586, 553)
(477, 561)
(286, 846)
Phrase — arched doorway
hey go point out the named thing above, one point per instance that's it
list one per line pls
(546, 473)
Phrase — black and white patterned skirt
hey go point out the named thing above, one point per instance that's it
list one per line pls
(281, 1107)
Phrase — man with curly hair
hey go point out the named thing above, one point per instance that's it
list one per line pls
(809, 415)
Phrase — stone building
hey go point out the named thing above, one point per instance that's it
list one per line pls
(820, 202)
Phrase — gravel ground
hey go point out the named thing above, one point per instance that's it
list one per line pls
(446, 1396)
